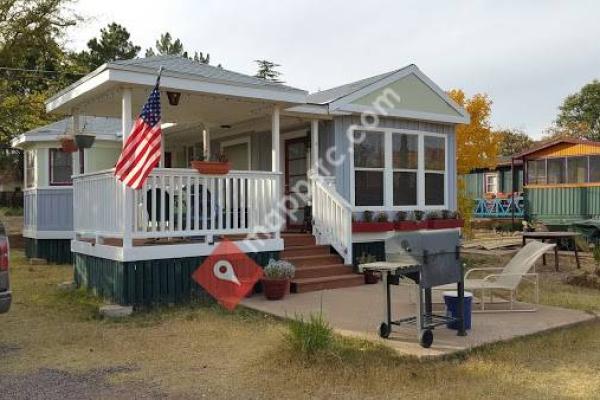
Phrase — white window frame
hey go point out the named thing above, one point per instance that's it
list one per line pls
(485, 181)
(388, 192)
(390, 146)
(234, 142)
(384, 171)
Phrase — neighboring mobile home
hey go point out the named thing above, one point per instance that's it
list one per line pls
(48, 192)
(142, 246)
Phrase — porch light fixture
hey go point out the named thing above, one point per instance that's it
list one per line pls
(174, 98)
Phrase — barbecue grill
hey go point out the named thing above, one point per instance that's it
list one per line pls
(429, 258)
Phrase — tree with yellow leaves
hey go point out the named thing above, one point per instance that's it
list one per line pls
(476, 146)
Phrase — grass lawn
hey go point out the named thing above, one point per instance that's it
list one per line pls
(202, 351)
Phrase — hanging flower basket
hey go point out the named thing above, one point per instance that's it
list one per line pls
(212, 167)
(84, 141)
(68, 144)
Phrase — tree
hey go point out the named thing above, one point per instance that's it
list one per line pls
(579, 114)
(512, 141)
(477, 145)
(165, 45)
(113, 44)
(33, 61)
(267, 71)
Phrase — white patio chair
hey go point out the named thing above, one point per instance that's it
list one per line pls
(509, 277)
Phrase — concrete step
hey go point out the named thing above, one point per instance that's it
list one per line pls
(298, 251)
(316, 260)
(298, 239)
(321, 271)
(330, 282)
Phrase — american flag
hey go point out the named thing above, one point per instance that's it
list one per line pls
(141, 153)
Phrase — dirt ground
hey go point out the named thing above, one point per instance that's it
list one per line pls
(54, 346)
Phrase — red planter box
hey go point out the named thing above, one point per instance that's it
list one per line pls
(445, 223)
(212, 167)
(406, 226)
(372, 227)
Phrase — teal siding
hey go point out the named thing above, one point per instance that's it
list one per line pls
(167, 281)
(561, 206)
(52, 250)
(474, 182)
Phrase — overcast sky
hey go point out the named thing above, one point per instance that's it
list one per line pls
(526, 55)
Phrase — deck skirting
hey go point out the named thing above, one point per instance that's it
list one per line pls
(52, 250)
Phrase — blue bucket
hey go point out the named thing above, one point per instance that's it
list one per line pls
(451, 300)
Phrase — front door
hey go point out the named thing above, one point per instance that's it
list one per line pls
(296, 181)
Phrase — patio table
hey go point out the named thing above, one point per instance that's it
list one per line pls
(555, 237)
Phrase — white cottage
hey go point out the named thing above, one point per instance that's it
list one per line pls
(142, 246)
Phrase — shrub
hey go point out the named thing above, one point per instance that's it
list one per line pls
(401, 216)
(382, 217)
(367, 216)
(279, 269)
(309, 337)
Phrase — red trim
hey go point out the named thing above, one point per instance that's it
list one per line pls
(359, 227)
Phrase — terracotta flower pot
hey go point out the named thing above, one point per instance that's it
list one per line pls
(276, 289)
(212, 167)
(68, 145)
(372, 226)
(371, 277)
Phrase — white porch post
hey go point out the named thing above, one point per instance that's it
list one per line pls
(75, 125)
(127, 192)
(314, 146)
(276, 167)
(206, 143)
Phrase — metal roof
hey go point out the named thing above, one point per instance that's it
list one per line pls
(330, 95)
(88, 124)
(182, 65)
(554, 142)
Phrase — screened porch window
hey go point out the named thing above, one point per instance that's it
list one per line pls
(556, 170)
(435, 170)
(368, 168)
(29, 168)
(61, 167)
(594, 168)
(405, 162)
(577, 169)
(536, 172)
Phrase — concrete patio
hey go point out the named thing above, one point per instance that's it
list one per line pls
(358, 311)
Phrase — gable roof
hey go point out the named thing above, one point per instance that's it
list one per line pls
(343, 98)
(108, 128)
(183, 65)
(552, 143)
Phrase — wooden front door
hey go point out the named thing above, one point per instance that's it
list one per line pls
(296, 181)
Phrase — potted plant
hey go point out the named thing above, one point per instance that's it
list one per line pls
(371, 277)
(276, 280)
(444, 219)
(219, 166)
(68, 144)
(405, 222)
(419, 217)
(381, 223)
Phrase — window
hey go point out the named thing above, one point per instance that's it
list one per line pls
(368, 168)
(536, 172)
(435, 170)
(594, 168)
(29, 168)
(405, 162)
(61, 167)
(577, 169)
(556, 170)
(490, 183)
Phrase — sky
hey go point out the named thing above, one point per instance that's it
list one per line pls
(526, 55)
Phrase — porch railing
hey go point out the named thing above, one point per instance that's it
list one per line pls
(332, 218)
(178, 203)
(499, 207)
(48, 209)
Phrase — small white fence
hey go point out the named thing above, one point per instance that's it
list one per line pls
(332, 218)
(178, 203)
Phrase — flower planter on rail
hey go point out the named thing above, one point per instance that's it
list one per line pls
(212, 167)
(369, 227)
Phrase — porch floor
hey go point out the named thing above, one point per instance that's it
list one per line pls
(358, 311)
